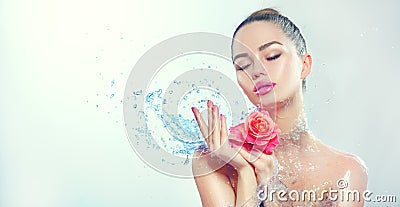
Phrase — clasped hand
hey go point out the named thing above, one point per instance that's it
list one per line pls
(217, 139)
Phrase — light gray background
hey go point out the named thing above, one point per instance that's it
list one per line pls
(57, 61)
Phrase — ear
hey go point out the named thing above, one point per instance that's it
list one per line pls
(307, 62)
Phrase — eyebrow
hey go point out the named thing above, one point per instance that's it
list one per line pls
(240, 55)
(262, 47)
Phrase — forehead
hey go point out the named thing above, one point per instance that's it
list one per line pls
(258, 33)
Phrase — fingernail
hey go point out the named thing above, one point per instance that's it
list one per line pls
(208, 103)
(193, 109)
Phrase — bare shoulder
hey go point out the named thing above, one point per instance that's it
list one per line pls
(346, 165)
(344, 159)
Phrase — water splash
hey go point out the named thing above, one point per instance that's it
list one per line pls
(172, 132)
(177, 132)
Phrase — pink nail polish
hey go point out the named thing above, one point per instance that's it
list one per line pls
(193, 109)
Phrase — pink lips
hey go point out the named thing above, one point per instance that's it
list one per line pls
(263, 87)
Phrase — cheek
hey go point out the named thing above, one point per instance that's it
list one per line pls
(240, 77)
(244, 81)
(289, 74)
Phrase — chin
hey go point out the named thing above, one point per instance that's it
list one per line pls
(265, 101)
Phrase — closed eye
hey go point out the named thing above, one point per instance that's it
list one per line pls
(273, 57)
(238, 67)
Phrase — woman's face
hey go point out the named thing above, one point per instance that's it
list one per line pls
(266, 55)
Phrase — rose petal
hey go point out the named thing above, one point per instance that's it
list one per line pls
(250, 139)
(248, 146)
(238, 132)
(234, 142)
(271, 145)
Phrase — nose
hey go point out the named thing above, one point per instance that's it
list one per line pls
(258, 70)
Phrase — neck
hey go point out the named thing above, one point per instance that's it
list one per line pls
(289, 112)
(290, 117)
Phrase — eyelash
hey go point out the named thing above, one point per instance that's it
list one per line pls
(273, 57)
(242, 68)
(268, 59)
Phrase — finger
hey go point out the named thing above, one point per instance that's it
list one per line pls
(210, 126)
(224, 131)
(255, 154)
(200, 122)
(257, 159)
(245, 154)
(216, 135)
(248, 156)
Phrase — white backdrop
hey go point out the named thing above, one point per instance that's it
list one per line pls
(62, 138)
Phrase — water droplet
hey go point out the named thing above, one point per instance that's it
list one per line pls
(134, 106)
(159, 91)
(111, 96)
(150, 97)
(112, 83)
(138, 93)
(97, 105)
(186, 160)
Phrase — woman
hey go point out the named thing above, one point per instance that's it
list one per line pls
(272, 62)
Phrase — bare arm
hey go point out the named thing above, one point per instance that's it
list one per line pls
(246, 189)
(213, 185)
(262, 172)
(214, 188)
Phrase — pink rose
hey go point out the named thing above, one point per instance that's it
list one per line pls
(259, 132)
